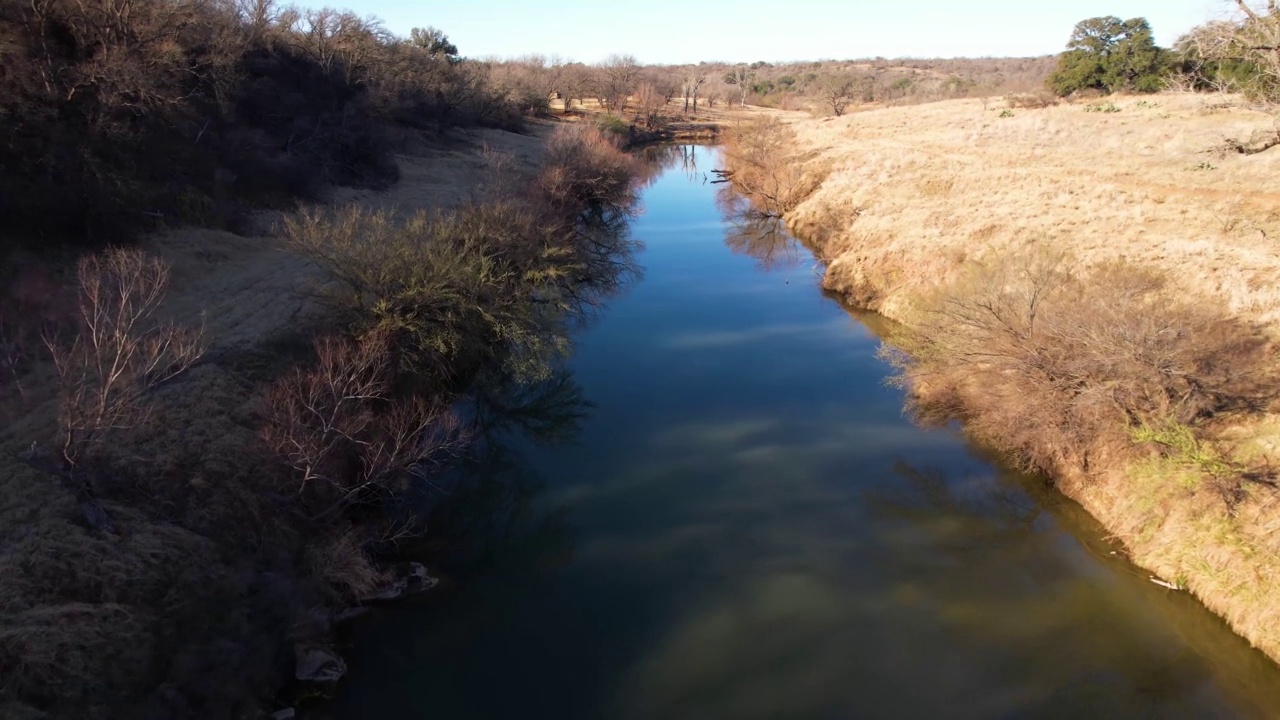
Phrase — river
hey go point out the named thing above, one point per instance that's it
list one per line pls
(738, 522)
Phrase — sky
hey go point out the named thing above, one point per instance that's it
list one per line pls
(681, 31)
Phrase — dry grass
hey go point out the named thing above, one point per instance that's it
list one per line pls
(920, 197)
(1139, 185)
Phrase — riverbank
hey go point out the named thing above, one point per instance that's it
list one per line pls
(920, 208)
(190, 559)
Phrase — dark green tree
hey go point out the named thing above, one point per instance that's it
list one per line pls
(1110, 54)
(434, 42)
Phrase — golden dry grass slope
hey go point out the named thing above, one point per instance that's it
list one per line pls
(916, 192)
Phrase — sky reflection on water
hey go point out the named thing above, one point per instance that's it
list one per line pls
(745, 526)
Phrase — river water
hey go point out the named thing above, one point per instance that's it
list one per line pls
(738, 522)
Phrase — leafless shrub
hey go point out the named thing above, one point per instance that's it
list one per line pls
(837, 91)
(764, 165)
(1030, 101)
(343, 435)
(1056, 364)
(120, 351)
(650, 106)
(582, 166)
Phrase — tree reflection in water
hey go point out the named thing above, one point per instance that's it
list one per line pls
(760, 235)
(488, 511)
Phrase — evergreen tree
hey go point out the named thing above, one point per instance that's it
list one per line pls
(1110, 54)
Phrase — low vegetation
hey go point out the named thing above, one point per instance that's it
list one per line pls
(766, 167)
(1064, 366)
(184, 518)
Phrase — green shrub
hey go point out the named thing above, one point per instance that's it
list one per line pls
(488, 282)
(453, 289)
(614, 125)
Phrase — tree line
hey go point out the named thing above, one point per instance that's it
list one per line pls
(114, 114)
(1242, 54)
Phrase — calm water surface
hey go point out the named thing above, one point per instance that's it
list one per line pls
(744, 525)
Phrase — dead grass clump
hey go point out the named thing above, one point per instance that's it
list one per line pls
(341, 563)
(1030, 101)
(764, 165)
(1060, 365)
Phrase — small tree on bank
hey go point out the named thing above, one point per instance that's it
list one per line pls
(1110, 54)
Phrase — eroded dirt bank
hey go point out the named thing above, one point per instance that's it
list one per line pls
(915, 198)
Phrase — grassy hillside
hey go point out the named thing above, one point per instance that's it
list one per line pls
(1091, 286)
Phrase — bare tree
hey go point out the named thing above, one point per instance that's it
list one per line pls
(764, 165)
(121, 351)
(618, 80)
(742, 77)
(338, 429)
(650, 103)
(836, 92)
(693, 82)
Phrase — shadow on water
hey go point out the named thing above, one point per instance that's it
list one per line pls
(717, 510)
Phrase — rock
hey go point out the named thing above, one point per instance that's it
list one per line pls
(413, 580)
(318, 665)
(348, 614)
(285, 714)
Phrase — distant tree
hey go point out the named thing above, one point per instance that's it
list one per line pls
(618, 77)
(741, 76)
(693, 82)
(574, 82)
(434, 42)
(1110, 54)
(650, 104)
(836, 92)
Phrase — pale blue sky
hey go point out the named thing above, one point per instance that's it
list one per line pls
(677, 31)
